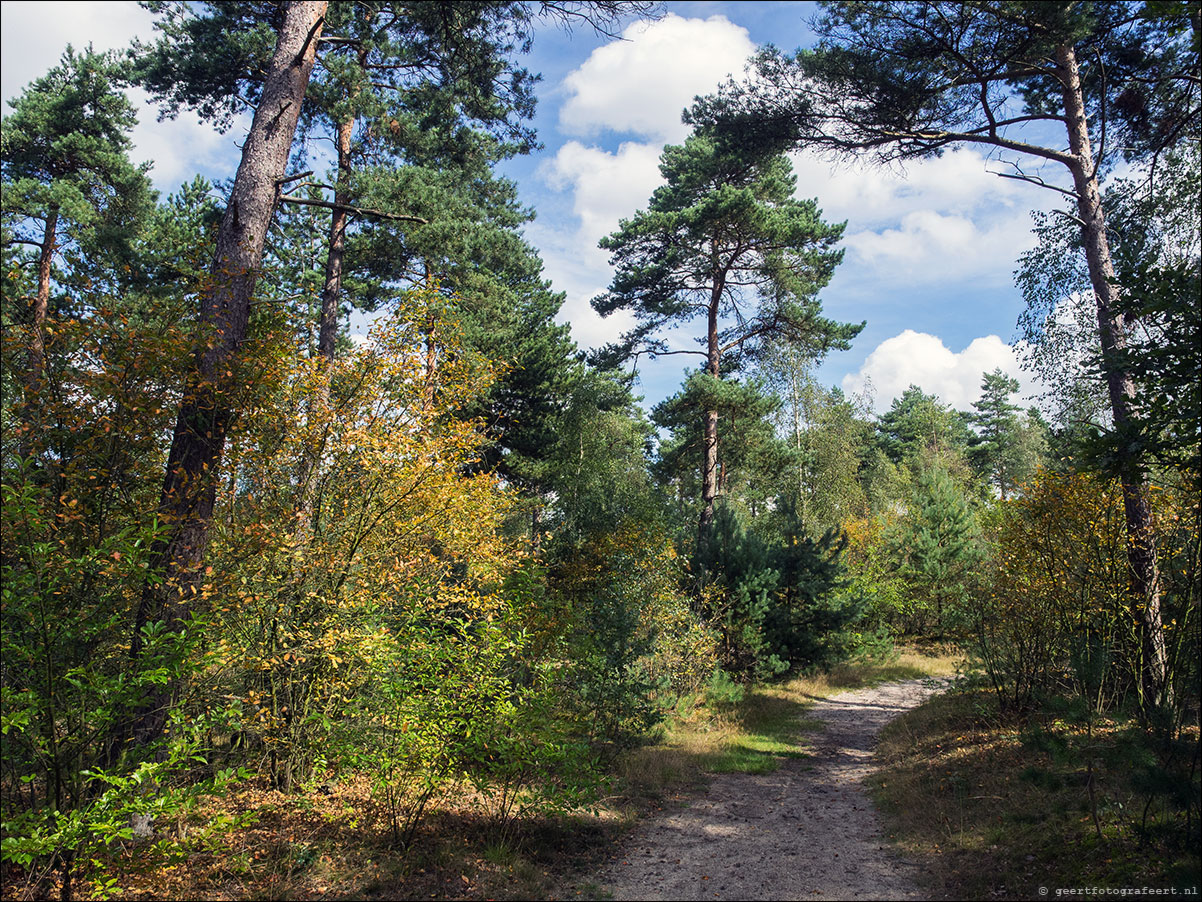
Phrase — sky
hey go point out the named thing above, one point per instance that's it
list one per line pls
(929, 252)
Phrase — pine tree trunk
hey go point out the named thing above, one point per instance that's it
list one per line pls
(189, 487)
(1112, 330)
(41, 305)
(36, 348)
(327, 327)
(430, 385)
(709, 445)
(331, 292)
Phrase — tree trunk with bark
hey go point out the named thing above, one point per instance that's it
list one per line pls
(41, 305)
(709, 444)
(331, 292)
(35, 349)
(1112, 330)
(189, 488)
(327, 326)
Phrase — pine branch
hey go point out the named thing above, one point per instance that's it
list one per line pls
(356, 211)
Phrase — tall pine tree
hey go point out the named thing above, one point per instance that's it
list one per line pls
(724, 242)
(902, 80)
(68, 181)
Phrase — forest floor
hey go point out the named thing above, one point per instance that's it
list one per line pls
(806, 830)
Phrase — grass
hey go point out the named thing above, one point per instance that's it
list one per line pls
(764, 729)
(992, 806)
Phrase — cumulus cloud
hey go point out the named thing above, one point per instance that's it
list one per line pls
(634, 86)
(179, 148)
(935, 220)
(931, 246)
(870, 195)
(580, 278)
(641, 83)
(606, 187)
(917, 358)
(35, 36)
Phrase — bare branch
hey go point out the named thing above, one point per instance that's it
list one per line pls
(357, 211)
(292, 178)
(321, 185)
(1019, 176)
(654, 354)
(1072, 216)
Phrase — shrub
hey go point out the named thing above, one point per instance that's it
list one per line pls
(635, 644)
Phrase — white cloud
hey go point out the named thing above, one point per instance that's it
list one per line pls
(181, 147)
(606, 187)
(935, 220)
(35, 35)
(917, 358)
(869, 195)
(34, 38)
(929, 246)
(641, 83)
(580, 278)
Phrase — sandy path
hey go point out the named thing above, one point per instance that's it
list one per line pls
(806, 831)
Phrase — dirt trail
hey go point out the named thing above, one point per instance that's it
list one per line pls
(806, 831)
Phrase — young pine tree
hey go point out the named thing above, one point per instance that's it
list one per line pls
(935, 545)
(1005, 450)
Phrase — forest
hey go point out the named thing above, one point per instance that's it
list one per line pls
(253, 560)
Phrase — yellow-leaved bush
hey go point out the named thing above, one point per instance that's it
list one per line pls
(356, 550)
(1056, 611)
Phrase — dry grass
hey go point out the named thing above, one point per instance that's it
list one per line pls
(989, 814)
(910, 663)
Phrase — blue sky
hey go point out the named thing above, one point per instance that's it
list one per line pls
(929, 252)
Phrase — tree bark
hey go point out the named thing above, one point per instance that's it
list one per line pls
(35, 349)
(189, 488)
(41, 305)
(429, 388)
(709, 444)
(1112, 330)
(327, 326)
(331, 292)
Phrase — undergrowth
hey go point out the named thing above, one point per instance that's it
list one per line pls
(995, 805)
(331, 840)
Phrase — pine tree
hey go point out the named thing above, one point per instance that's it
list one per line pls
(753, 455)
(919, 429)
(936, 547)
(903, 80)
(996, 450)
(724, 241)
(198, 442)
(419, 102)
(68, 180)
